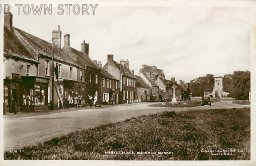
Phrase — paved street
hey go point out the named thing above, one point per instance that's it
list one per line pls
(29, 130)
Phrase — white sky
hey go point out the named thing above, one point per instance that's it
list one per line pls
(186, 42)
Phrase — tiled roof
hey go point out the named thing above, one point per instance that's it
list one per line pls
(43, 47)
(79, 57)
(124, 70)
(152, 82)
(13, 46)
(141, 82)
(107, 74)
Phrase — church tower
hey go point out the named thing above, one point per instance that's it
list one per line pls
(218, 87)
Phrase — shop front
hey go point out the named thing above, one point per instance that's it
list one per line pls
(35, 93)
(12, 94)
(74, 93)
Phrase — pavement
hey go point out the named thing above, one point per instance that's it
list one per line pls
(29, 129)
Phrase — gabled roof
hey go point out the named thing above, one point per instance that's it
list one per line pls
(43, 47)
(13, 46)
(124, 70)
(152, 82)
(107, 74)
(141, 83)
(79, 57)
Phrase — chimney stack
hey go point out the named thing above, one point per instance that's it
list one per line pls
(133, 72)
(110, 57)
(99, 64)
(67, 40)
(56, 37)
(85, 48)
(8, 19)
(125, 63)
(95, 61)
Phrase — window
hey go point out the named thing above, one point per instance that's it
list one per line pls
(81, 75)
(70, 72)
(107, 84)
(110, 83)
(96, 79)
(103, 82)
(47, 68)
(90, 78)
(28, 70)
(123, 95)
(127, 81)
(116, 84)
(59, 70)
(124, 81)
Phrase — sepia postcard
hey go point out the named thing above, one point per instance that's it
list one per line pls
(128, 82)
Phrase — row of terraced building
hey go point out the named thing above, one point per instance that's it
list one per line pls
(41, 75)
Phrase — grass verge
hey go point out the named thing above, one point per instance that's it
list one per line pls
(195, 135)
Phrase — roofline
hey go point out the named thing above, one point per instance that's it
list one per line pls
(20, 58)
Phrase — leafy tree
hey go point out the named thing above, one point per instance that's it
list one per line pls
(241, 85)
(202, 84)
(228, 84)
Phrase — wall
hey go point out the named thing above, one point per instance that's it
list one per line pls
(112, 69)
(161, 85)
(141, 95)
(14, 66)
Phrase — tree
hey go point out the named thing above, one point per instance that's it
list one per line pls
(241, 85)
(202, 84)
(228, 85)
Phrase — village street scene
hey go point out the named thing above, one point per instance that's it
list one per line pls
(62, 103)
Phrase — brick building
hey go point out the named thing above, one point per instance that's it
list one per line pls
(126, 78)
(91, 73)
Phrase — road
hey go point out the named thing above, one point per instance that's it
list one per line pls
(29, 130)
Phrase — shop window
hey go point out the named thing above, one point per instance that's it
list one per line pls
(105, 97)
(28, 70)
(6, 101)
(123, 95)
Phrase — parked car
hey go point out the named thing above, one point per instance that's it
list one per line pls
(206, 101)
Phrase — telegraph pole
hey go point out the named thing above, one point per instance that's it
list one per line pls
(52, 74)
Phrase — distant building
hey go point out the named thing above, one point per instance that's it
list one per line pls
(154, 88)
(126, 78)
(143, 90)
(217, 91)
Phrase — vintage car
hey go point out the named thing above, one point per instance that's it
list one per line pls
(206, 101)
